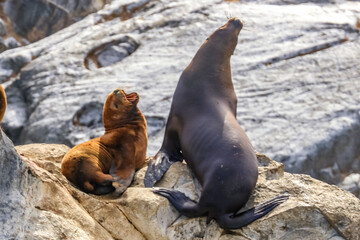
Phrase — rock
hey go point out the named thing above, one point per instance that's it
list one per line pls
(110, 53)
(11, 43)
(351, 183)
(2, 45)
(2, 28)
(35, 192)
(36, 20)
(286, 72)
(89, 115)
(16, 113)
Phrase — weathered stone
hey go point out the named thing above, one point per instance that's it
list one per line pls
(294, 74)
(157, 212)
(2, 45)
(317, 212)
(32, 196)
(110, 53)
(36, 20)
(89, 115)
(11, 43)
(47, 156)
(2, 28)
(16, 114)
(35, 193)
(351, 183)
(11, 66)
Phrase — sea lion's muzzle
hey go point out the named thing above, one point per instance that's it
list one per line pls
(234, 22)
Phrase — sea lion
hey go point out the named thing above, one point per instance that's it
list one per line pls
(95, 165)
(2, 103)
(203, 130)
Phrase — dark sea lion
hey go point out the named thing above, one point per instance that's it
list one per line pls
(96, 166)
(2, 103)
(202, 129)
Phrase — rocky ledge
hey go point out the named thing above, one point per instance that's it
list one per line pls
(295, 72)
(37, 202)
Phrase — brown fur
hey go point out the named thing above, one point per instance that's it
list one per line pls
(2, 103)
(96, 166)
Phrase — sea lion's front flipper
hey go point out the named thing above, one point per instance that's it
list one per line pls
(238, 220)
(169, 153)
(158, 166)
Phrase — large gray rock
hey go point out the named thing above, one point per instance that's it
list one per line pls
(25, 21)
(35, 20)
(34, 192)
(295, 72)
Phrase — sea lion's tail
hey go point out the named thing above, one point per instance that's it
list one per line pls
(238, 220)
(2, 103)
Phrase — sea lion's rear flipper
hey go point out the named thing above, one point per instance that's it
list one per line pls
(102, 183)
(183, 204)
(158, 166)
(101, 190)
(238, 220)
(98, 189)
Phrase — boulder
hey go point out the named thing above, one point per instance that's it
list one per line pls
(294, 74)
(36, 20)
(351, 183)
(39, 203)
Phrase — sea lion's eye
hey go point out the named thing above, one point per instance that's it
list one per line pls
(115, 105)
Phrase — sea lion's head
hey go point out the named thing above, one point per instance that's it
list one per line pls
(225, 38)
(120, 108)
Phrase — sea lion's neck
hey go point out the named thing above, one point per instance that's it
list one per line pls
(213, 54)
(209, 66)
(135, 119)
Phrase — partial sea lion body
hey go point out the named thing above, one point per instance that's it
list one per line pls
(114, 157)
(202, 129)
(2, 103)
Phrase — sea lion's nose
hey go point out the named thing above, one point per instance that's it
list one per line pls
(237, 22)
(116, 91)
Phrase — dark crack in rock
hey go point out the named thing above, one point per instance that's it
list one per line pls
(89, 115)
(110, 53)
(11, 66)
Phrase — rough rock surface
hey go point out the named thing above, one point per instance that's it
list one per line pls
(296, 73)
(35, 193)
(37, 202)
(27, 21)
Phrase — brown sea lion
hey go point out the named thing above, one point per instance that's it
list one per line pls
(2, 103)
(203, 130)
(96, 166)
